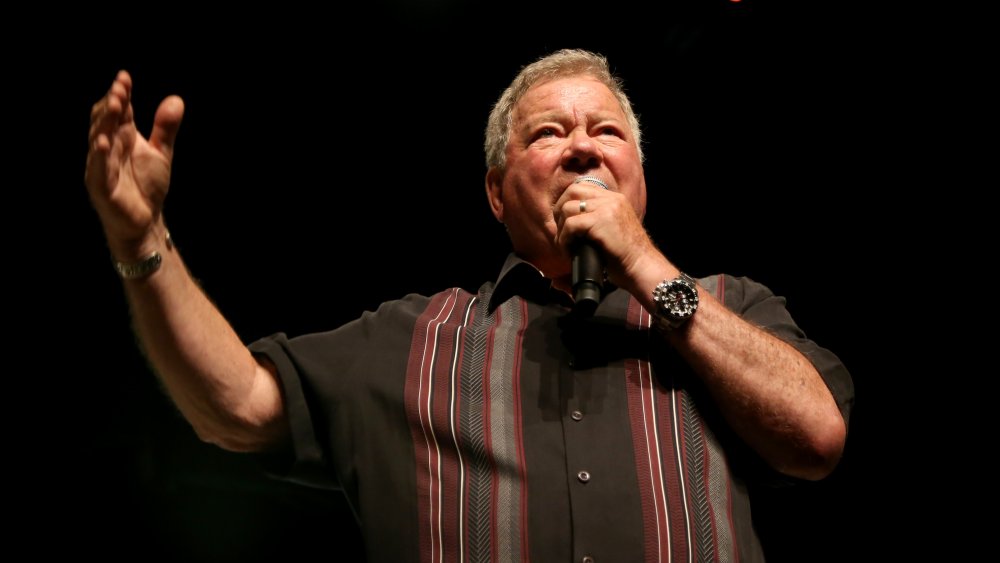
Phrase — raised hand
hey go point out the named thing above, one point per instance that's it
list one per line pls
(127, 175)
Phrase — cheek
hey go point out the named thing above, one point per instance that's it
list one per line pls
(540, 167)
(631, 174)
(536, 190)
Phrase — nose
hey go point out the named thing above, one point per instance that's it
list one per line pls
(582, 153)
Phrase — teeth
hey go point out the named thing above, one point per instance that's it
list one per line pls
(592, 180)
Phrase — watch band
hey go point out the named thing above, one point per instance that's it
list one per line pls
(140, 269)
(146, 265)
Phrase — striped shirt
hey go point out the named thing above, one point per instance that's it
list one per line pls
(497, 427)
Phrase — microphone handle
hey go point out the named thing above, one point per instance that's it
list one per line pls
(588, 268)
(588, 278)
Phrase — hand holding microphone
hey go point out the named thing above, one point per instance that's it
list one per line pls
(588, 267)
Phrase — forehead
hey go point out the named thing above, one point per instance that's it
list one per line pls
(567, 95)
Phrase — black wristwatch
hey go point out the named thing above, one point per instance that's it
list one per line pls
(676, 301)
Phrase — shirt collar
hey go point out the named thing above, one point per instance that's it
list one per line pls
(518, 277)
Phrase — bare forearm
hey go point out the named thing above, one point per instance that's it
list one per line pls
(228, 398)
(770, 394)
(208, 372)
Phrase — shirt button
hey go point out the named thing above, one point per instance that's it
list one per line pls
(577, 415)
(587, 559)
(571, 363)
(583, 476)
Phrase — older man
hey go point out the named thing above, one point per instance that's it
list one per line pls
(501, 425)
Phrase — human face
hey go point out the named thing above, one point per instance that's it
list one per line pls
(562, 129)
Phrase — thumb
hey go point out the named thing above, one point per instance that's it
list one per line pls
(165, 125)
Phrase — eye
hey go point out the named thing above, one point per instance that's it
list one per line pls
(546, 132)
(610, 131)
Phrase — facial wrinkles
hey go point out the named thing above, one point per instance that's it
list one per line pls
(571, 106)
(577, 109)
(574, 110)
(591, 113)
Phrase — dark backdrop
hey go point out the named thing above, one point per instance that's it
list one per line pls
(310, 164)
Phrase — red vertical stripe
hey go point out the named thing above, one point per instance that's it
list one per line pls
(641, 449)
(428, 401)
(640, 393)
(519, 432)
(433, 400)
(414, 396)
(447, 456)
(666, 405)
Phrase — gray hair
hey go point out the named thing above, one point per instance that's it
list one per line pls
(564, 63)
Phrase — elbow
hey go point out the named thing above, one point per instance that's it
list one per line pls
(256, 423)
(226, 439)
(243, 434)
(822, 450)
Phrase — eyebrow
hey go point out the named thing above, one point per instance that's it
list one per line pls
(556, 116)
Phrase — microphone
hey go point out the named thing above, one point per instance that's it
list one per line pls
(588, 268)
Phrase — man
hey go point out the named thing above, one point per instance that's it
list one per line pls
(503, 425)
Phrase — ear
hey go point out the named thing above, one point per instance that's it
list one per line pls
(494, 192)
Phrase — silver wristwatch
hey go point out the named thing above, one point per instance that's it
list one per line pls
(676, 301)
(145, 266)
(140, 269)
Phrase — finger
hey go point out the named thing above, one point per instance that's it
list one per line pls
(95, 175)
(106, 116)
(571, 208)
(109, 113)
(125, 80)
(572, 223)
(582, 190)
(122, 79)
(166, 124)
(568, 202)
(575, 207)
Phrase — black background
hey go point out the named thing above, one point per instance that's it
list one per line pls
(314, 164)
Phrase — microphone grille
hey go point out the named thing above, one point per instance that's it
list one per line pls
(592, 180)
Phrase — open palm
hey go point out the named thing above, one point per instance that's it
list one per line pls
(127, 175)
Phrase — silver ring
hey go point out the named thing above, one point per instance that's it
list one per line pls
(583, 206)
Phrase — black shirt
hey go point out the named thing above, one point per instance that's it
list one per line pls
(498, 426)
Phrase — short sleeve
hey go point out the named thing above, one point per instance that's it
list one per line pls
(301, 460)
(343, 396)
(760, 306)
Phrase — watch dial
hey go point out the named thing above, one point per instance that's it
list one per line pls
(682, 300)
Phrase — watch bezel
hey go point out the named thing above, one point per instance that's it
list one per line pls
(676, 301)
